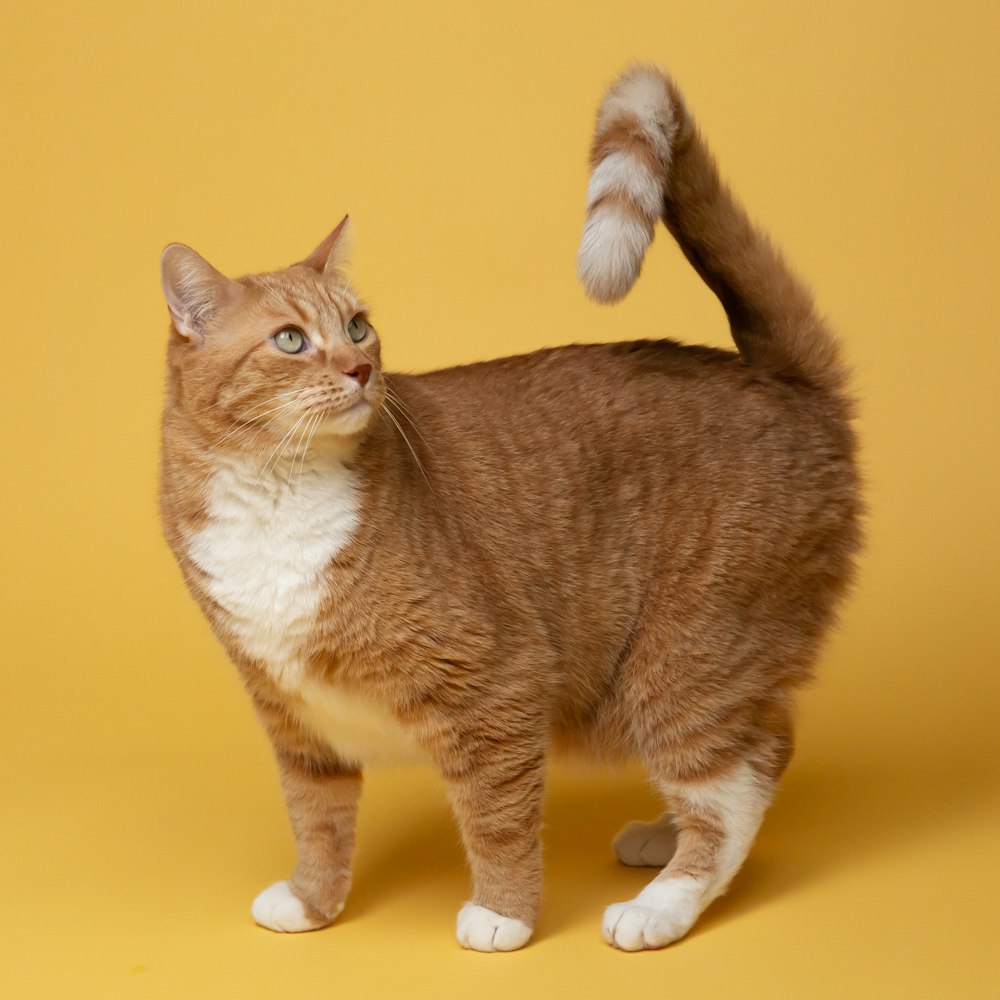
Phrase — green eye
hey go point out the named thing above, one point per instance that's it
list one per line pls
(357, 329)
(290, 340)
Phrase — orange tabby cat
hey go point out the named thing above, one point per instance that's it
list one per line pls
(632, 549)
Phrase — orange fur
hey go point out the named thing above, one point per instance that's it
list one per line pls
(630, 549)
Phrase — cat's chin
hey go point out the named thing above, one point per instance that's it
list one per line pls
(347, 423)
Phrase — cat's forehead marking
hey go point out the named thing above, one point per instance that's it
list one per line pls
(321, 308)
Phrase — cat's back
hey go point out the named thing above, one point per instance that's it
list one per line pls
(543, 377)
(607, 454)
(585, 409)
(596, 481)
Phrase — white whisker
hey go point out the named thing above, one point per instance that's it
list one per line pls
(420, 465)
(270, 399)
(276, 455)
(245, 421)
(258, 410)
(405, 412)
(317, 420)
(299, 452)
(264, 402)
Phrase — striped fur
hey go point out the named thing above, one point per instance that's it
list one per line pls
(630, 550)
(650, 162)
(630, 157)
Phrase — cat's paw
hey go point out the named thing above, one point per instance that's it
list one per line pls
(661, 914)
(482, 929)
(644, 845)
(278, 909)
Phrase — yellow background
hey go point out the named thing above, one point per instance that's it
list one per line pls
(140, 807)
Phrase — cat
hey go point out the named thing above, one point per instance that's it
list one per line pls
(631, 550)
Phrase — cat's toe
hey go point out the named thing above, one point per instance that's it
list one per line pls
(278, 909)
(645, 845)
(482, 929)
(636, 925)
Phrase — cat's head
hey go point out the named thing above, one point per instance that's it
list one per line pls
(271, 361)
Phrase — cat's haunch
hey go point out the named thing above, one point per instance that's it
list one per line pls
(633, 550)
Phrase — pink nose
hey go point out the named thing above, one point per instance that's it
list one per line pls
(361, 372)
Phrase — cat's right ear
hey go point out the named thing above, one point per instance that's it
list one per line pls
(331, 255)
(193, 289)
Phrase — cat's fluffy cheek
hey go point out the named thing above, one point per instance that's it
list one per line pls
(482, 929)
(278, 909)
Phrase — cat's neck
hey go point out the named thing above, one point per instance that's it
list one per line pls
(283, 470)
(208, 446)
(194, 472)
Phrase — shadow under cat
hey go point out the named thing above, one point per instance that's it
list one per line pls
(828, 817)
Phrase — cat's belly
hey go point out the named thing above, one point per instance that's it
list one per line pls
(358, 729)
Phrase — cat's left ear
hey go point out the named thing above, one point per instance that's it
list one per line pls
(333, 252)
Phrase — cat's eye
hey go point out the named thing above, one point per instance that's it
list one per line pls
(357, 329)
(290, 340)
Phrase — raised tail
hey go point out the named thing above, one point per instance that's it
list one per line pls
(650, 162)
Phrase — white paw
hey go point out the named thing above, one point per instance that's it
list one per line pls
(646, 844)
(663, 912)
(482, 929)
(278, 909)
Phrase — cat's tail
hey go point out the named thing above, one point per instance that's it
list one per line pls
(650, 162)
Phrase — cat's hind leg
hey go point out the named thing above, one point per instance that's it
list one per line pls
(716, 821)
(646, 845)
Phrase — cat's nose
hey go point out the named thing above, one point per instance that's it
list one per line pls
(361, 372)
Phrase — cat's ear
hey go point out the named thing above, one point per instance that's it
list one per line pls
(193, 289)
(334, 251)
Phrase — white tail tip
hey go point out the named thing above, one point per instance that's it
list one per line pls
(611, 253)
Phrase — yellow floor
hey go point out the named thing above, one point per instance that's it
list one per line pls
(858, 886)
(140, 809)
(131, 866)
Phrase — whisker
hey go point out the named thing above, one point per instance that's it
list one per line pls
(298, 396)
(317, 420)
(298, 456)
(266, 402)
(246, 421)
(278, 452)
(416, 458)
(396, 398)
(405, 412)
(266, 405)
(271, 399)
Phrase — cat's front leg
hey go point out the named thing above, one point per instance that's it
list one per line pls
(496, 793)
(321, 793)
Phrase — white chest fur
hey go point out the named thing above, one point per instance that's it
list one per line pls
(266, 550)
